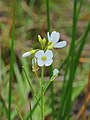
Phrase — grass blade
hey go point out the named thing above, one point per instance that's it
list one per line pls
(11, 67)
(30, 112)
(62, 111)
(19, 113)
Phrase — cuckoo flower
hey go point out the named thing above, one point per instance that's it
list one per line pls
(44, 58)
(54, 40)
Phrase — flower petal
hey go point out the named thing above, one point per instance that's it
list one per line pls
(60, 44)
(49, 54)
(39, 54)
(48, 62)
(55, 36)
(49, 37)
(40, 62)
(55, 71)
(26, 54)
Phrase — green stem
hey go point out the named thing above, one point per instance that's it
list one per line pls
(30, 111)
(48, 16)
(42, 95)
(19, 113)
(37, 77)
(72, 47)
(11, 68)
(3, 104)
(64, 112)
(51, 69)
(30, 84)
(72, 50)
(44, 91)
(78, 11)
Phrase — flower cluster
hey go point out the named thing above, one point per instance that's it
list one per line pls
(44, 56)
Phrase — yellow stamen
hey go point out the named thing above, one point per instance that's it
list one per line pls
(44, 58)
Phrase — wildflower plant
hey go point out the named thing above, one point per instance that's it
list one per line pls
(44, 57)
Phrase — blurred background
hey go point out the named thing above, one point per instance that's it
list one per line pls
(31, 20)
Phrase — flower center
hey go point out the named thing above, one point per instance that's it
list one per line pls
(44, 58)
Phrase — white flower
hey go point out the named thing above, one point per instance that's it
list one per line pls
(26, 54)
(44, 58)
(55, 71)
(54, 38)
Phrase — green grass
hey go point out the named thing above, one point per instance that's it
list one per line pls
(11, 67)
(73, 58)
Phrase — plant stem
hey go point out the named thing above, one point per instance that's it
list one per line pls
(37, 77)
(11, 67)
(78, 11)
(4, 104)
(48, 16)
(19, 113)
(42, 95)
(30, 111)
(44, 91)
(67, 102)
(30, 84)
(51, 68)
(64, 110)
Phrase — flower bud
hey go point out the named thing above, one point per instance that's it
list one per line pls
(44, 41)
(32, 51)
(39, 39)
(55, 71)
(29, 53)
(26, 54)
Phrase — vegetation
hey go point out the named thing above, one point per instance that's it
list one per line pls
(25, 87)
